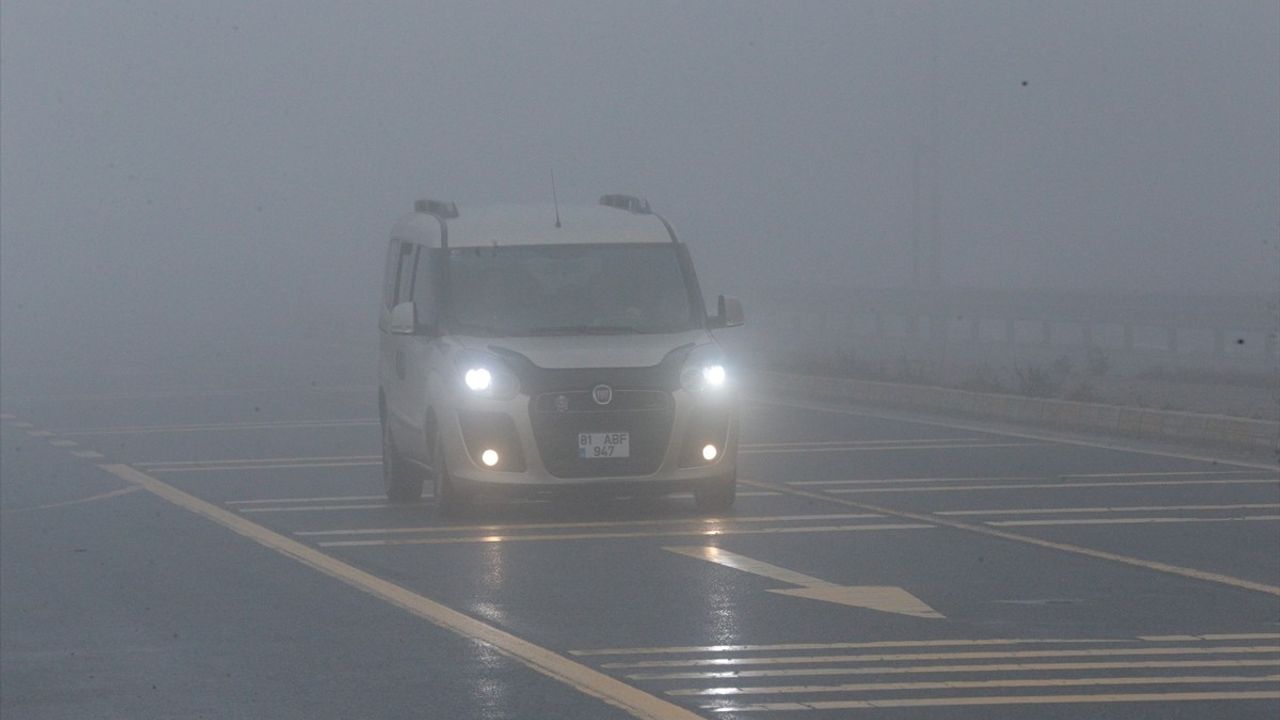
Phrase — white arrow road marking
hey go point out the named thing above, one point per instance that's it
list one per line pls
(871, 597)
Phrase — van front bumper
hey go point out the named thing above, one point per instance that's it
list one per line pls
(535, 439)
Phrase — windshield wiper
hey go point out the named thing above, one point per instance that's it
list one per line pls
(585, 330)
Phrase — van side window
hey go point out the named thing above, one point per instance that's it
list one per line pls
(404, 283)
(390, 274)
(424, 302)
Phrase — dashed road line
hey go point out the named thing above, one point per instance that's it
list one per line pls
(63, 443)
(886, 448)
(87, 454)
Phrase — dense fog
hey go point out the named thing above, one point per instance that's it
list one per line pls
(183, 179)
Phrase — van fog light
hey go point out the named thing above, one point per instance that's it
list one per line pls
(489, 457)
(710, 452)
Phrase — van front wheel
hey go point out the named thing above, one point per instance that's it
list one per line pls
(716, 495)
(400, 481)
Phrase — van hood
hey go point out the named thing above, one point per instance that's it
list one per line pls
(557, 352)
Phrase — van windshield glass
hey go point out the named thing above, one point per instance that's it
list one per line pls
(567, 290)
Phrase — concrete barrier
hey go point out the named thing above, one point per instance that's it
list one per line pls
(1160, 425)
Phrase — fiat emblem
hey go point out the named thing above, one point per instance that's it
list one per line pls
(602, 394)
(562, 403)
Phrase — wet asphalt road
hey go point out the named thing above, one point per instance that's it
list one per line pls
(224, 552)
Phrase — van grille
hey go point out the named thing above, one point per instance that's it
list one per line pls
(558, 418)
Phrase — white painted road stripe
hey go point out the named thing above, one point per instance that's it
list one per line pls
(709, 533)
(495, 528)
(730, 675)
(1130, 508)
(1130, 521)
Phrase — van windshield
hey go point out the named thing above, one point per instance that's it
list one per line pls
(577, 289)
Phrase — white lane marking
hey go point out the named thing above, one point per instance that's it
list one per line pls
(1163, 473)
(592, 524)
(324, 508)
(708, 533)
(62, 443)
(1219, 636)
(24, 425)
(889, 448)
(967, 684)
(1055, 486)
(858, 443)
(972, 701)
(975, 655)
(275, 466)
(890, 481)
(87, 453)
(212, 427)
(39, 433)
(257, 461)
(1044, 436)
(7, 416)
(1129, 508)
(282, 501)
(1129, 521)
(951, 668)
(79, 501)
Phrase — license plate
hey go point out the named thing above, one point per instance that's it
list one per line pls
(593, 446)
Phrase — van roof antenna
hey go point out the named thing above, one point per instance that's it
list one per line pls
(554, 200)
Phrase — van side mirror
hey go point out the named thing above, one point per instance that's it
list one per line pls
(728, 313)
(402, 319)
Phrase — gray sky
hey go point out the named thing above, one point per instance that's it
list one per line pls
(250, 157)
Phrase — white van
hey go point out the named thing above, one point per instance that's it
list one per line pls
(526, 349)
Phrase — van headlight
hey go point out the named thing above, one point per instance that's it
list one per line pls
(485, 375)
(704, 371)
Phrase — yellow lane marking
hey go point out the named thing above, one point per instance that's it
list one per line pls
(1129, 508)
(883, 448)
(874, 597)
(62, 443)
(1031, 540)
(274, 466)
(592, 682)
(257, 461)
(282, 501)
(87, 453)
(617, 535)
(65, 503)
(890, 481)
(1131, 521)
(1003, 700)
(976, 655)
(1044, 436)
(1047, 486)
(1211, 638)
(591, 524)
(210, 427)
(975, 684)
(677, 650)
(954, 668)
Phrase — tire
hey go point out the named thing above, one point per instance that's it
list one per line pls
(400, 481)
(451, 499)
(716, 495)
